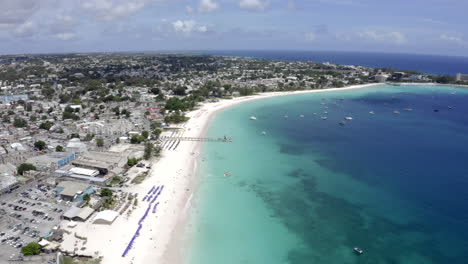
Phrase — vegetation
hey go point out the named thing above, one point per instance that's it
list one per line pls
(40, 145)
(106, 192)
(19, 122)
(100, 142)
(25, 167)
(140, 178)
(157, 150)
(70, 260)
(116, 180)
(45, 125)
(148, 150)
(175, 118)
(145, 134)
(132, 162)
(31, 249)
(136, 139)
(59, 148)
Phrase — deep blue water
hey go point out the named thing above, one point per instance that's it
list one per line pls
(429, 64)
(311, 190)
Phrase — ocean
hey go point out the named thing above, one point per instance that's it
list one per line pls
(394, 183)
(429, 64)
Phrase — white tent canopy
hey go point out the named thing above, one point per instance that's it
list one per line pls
(105, 217)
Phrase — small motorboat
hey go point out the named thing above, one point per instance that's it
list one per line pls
(324, 118)
(286, 116)
(264, 133)
(301, 116)
(253, 118)
(371, 112)
(358, 250)
(348, 118)
(396, 112)
(227, 174)
(408, 109)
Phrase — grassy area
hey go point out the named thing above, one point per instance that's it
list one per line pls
(70, 260)
(140, 178)
(116, 180)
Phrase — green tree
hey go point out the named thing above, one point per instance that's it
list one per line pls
(157, 132)
(19, 122)
(31, 249)
(157, 150)
(100, 142)
(59, 148)
(132, 162)
(45, 125)
(33, 118)
(86, 198)
(148, 151)
(106, 192)
(136, 139)
(145, 134)
(40, 145)
(25, 167)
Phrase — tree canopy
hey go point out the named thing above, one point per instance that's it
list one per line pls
(40, 145)
(25, 167)
(106, 192)
(31, 249)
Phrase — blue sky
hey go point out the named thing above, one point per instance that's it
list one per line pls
(405, 26)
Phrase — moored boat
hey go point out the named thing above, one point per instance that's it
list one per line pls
(358, 250)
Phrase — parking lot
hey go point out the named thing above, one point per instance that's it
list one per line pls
(26, 214)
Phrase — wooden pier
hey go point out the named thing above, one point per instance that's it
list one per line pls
(195, 139)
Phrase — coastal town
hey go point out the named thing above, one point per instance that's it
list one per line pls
(90, 143)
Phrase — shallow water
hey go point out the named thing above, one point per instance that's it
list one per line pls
(311, 190)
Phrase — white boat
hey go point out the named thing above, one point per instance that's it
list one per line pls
(358, 250)
(285, 116)
(396, 112)
(301, 115)
(371, 112)
(348, 118)
(264, 133)
(324, 118)
(253, 118)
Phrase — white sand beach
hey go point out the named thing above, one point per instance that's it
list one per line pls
(176, 170)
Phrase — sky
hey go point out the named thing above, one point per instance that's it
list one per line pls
(402, 26)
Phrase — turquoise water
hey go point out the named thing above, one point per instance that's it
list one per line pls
(311, 190)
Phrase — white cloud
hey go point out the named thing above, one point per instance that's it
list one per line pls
(189, 9)
(112, 9)
(208, 6)
(26, 29)
(188, 26)
(395, 37)
(253, 5)
(65, 36)
(310, 36)
(16, 12)
(452, 38)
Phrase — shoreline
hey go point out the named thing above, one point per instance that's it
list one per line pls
(171, 243)
(160, 240)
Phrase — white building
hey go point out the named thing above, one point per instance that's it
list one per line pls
(461, 77)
